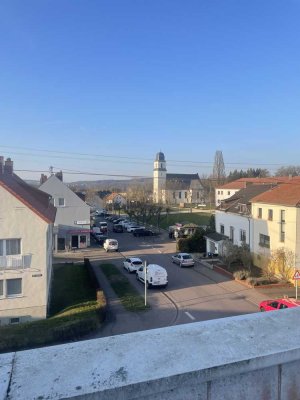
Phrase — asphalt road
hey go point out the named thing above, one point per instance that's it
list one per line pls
(193, 294)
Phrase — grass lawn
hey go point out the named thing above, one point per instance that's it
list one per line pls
(75, 312)
(71, 286)
(128, 295)
(196, 218)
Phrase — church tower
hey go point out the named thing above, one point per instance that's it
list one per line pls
(159, 177)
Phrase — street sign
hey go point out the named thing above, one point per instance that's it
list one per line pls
(296, 275)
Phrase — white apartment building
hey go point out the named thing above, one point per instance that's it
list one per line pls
(26, 226)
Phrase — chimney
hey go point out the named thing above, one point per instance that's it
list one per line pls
(59, 175)
(43, 178)
(8, 166)
(1, 165)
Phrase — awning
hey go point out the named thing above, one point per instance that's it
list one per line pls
(79, 231)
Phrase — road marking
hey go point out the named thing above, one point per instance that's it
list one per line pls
(189, 315)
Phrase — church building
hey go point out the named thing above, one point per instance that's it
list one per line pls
(175, 188)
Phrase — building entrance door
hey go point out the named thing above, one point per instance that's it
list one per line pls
(75, 241)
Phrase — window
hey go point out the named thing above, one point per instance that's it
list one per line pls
(9, 247)
(14, 320)
(264, 240)
(222, 230)
(179, 195)
(242, 235)
(13, 246)
(174, 195)
(198, 195)
(185, 195)
(60, 202)
(228, 192)
(1, 288)
(259, 213)
(270, 215)
(13, 287)
(282, 225)
(231, 235)
(221, 191)
(218, 191)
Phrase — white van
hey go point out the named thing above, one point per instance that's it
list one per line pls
(156, 275)
(111, 245)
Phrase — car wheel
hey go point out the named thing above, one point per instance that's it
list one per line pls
(262, 309)
(180, 265)
(173, 261)
(137, 277)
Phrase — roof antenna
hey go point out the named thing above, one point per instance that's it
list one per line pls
(51, 170)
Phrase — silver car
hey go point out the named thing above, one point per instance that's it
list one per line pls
(183, 259)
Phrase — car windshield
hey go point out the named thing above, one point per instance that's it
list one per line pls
(186, 257)
(137, 262)
(113, 243)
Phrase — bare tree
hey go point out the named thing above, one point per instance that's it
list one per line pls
(293, 170)
(219, 168)
(283, 262)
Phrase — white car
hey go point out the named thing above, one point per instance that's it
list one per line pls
(132, 264)
(131, 228)
(111, 245)
(183, 259)
(156, 275)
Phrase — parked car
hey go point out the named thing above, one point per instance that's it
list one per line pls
(111, 245)
(142, 232)
(132, 264)
(103, 226)
(117, 228)
(156, 275)
(278, 304)
(183, 260)
(133, 227)
(100, 238)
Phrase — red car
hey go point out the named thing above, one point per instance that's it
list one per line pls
(278, 304)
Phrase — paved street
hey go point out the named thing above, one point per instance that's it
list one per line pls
(193, 294)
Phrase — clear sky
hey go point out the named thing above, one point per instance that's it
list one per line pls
(102, 86)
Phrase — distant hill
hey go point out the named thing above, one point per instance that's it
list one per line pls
(105, 184)
(111, 184)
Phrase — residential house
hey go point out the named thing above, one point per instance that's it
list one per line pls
(233, 219)
(229, 189)
(115, 200)
(72, 222)
(175, 188)
(276, 216)
(26, 232)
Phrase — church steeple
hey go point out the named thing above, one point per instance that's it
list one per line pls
(159, 177)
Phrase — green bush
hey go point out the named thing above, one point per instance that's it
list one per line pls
(193, 244)
(80, 309)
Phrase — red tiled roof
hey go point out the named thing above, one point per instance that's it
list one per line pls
(33, 198)
(242, 182)
(285, 194)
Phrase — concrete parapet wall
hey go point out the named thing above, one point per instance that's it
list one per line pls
(254, 356)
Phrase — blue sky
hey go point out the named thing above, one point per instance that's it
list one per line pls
(104, 85)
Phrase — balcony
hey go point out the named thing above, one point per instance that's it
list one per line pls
(17, 261)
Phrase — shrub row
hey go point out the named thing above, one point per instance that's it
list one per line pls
(70, 324)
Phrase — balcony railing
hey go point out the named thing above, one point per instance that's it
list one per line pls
(18, 261)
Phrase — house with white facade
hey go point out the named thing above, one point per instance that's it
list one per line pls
(115, 200)
(175, 188)
(227, 190)
(276, 217)
(233, 219)
(26, 232)
(72, 221)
